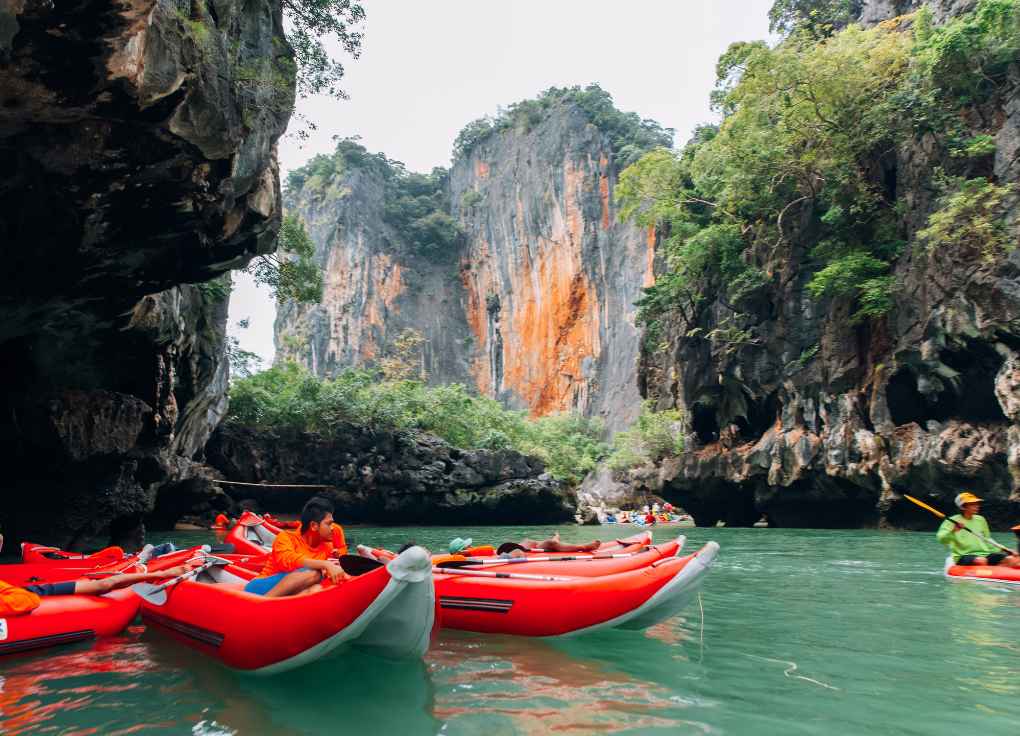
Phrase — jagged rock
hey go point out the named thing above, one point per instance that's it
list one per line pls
(388, 478)
(536, 309)
(138, 148)
(822, 422)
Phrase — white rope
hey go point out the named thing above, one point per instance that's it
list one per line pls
(791, 667)
(701, 651)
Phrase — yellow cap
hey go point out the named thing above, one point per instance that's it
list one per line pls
(965, 498)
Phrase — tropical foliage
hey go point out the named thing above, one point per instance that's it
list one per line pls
(628, 133)
(654, 436)
(414, 205)
(288, 397)
(805, 154)
(291, 273)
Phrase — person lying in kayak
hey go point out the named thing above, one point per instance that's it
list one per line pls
(300, 559)
(552, 544)
(968, 548)
(15, 600)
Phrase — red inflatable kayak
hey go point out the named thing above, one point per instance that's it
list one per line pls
(254, 535)
(43, 554)
(389, 610)
(631, 557)
(529, 604)
(983, 573)
(63, 619)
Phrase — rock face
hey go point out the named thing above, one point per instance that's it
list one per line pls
(375, 287)
(550, 275)
(138, 148)
(821, 422)
(536, 309)
(390, 478)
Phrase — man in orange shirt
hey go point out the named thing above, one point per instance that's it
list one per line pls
(300, 559)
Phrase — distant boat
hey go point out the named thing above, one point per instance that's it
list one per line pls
(686, 521)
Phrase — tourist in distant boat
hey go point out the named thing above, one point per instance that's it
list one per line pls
(552, 544)
(969, 548)
(222, 521)
(300, 559)
(649, 518)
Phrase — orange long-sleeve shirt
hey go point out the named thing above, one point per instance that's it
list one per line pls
(290, 550)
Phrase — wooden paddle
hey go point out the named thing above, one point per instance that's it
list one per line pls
(963, 526)
(156, 594)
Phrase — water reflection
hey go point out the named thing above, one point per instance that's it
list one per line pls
(324, 697)
(519, 685)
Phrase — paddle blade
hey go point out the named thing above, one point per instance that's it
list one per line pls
(925, 506)
(150, 593)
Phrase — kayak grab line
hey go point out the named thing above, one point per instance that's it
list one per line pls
(791, 667)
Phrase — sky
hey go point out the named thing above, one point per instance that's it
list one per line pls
(429, 68)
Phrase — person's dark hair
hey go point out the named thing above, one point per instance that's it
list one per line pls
(407, 545)
(315, 510)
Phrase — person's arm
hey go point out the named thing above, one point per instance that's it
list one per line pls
(946, 531)
(328, 568)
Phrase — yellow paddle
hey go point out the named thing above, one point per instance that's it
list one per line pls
(939, 514)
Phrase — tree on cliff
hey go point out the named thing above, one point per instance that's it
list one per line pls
(291, 272)
(310, 21)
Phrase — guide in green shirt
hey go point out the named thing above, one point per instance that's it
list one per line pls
(968, 547)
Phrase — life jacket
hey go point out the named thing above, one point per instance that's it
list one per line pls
(339, 540)
(484, 550)
(15, 601)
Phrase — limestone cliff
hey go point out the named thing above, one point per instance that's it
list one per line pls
(137, 142)
(533, 303)
(821, 421)
(549, 274)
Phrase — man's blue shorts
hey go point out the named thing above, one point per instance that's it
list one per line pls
(261, 586)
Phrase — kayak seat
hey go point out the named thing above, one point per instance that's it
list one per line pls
(219, 575)
(259, 535)
(357, 565)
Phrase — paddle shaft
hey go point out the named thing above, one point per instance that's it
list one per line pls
(508, 575)
(572, 558)
(963, 526)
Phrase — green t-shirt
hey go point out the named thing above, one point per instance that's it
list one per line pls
(963, 542)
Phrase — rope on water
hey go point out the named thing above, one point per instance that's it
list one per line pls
(701, 650)
(791, 667)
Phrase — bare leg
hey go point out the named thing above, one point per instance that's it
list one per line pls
(296, 582)
(84, 586)
(553, 544)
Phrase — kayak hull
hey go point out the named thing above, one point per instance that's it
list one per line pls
(550, 563)
(982, 573)
(246, 632)
(569, 606)
(64, 619)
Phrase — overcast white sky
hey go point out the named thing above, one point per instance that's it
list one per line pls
(428, 68)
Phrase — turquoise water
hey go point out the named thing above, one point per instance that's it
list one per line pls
(805, 632)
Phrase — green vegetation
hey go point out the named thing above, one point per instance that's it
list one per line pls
(654, 436)
(291, 272)
(817, 17)
(217, 289)
(413, 204)
(629, 135)
(243, 363)
(805, 155)
(311, 21)
(288, 397)
(973, 215)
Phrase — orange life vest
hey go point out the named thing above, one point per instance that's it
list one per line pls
(15, 601)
